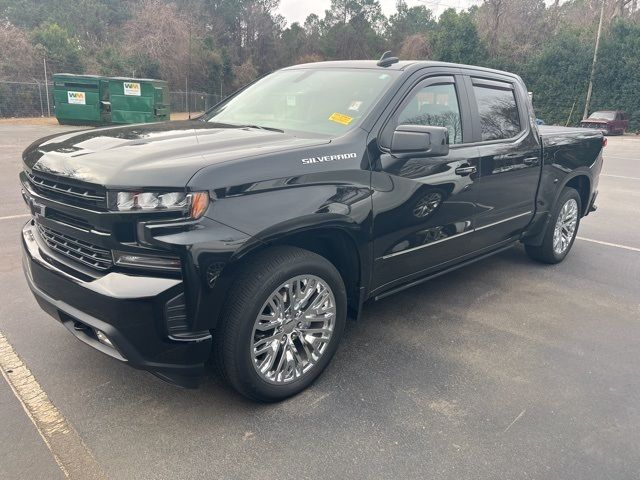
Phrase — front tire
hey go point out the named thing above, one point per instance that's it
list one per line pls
(282, 323)
(561, 230)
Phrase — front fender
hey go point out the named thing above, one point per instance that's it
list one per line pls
(207, 249)
(212, 249)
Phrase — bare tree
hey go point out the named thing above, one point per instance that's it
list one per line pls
(512, 28)
(244, 74)
(496, 9)
(415, 47)
(159, 33)
(621, 7)
(18, 58)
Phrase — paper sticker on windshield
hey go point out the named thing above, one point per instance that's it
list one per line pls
(291, 101)
(355, 105)
(341, 118)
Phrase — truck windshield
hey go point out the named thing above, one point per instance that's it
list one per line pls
(316, 101)
(603, 115)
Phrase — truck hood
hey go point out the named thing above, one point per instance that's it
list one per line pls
(164, 154)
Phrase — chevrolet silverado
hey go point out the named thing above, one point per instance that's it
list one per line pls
(244, 238)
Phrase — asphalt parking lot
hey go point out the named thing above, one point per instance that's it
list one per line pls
(506, 369)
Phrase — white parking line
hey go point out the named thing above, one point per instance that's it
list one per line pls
(69, 452)
(11, 217)
(619, 157)
(617, 245)
(619, 176)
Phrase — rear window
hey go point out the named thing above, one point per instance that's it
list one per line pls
(499, 117)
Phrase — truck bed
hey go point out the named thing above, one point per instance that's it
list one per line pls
(553, 135)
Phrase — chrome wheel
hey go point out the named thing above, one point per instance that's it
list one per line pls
(293, 329)
(565, 227)
(427, 204)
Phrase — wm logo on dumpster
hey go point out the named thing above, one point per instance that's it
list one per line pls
(76, 98)
(132, 88)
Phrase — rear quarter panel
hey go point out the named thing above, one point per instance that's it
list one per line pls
(567, 153)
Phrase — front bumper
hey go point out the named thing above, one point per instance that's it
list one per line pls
(129, 309)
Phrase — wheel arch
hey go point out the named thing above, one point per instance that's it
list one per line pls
(337, 246)
(581, 183)
(339, 242)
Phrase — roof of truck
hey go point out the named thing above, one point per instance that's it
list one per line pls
(400, 65)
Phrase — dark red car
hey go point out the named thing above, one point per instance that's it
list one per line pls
(611, 122)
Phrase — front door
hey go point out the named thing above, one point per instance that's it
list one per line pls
(424, 207)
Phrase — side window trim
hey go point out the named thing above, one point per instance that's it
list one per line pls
(470, 81)
(476, 133)
(497, 84)
(434, 79)
(464, 103)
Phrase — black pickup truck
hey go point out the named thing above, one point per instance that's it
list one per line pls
(246, 237)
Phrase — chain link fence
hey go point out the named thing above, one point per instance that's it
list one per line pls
(35, 99)
(25, 99)
(196, 102)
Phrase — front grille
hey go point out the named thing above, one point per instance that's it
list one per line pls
(85, 196)
(78, 250)
(60, 217)
(594, 125)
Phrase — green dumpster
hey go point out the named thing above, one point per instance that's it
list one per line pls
(80, 99)
(138, 100)
(96, 100)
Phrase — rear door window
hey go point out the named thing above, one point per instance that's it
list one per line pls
(498, 110)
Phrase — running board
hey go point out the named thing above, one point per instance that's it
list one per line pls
(441, 272)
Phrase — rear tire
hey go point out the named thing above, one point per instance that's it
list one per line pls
(561, 230)
(290, 304)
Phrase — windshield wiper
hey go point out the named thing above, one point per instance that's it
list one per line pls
(260, 127)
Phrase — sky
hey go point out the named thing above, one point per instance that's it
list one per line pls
(298, 10)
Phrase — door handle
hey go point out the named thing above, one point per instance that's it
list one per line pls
(465, 170)
(531, 161)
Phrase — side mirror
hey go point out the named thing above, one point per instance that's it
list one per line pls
(419, 141)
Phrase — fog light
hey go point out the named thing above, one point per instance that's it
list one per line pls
(28, 235)
(102, 338)
(146, 261)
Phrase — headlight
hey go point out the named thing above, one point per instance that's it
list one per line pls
(194, 204)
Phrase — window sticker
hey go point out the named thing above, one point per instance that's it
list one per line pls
(291, 100)
(341, 118)
(442, 99)
(355, 105)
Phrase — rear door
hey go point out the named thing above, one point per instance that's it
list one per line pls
(510, 157)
